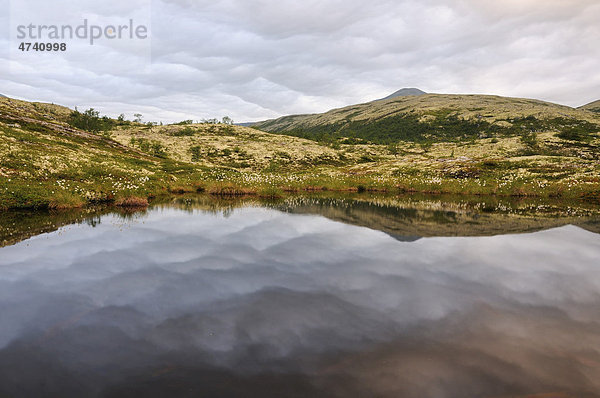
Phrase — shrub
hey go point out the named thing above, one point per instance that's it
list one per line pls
(90, 120)
(196, 152)
(184, 132)
(158, 149)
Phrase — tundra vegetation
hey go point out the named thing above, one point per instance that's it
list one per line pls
(54, 157)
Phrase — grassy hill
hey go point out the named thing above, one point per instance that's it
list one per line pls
(439, 118)
(54, 157)
(45, 162)
(592, 106)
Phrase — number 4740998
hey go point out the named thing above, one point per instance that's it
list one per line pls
(43, 47)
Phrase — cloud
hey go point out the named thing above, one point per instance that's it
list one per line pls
(262, 59)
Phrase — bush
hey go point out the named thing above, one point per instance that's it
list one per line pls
(196, 152)
(157, 149)
(154, 148)
(90, 120)
(184, 132)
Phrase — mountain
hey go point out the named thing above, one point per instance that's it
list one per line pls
(405, 92)
(3, 96)
(438, 118)
(592, 106)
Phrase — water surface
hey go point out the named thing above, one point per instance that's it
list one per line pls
(259, 302)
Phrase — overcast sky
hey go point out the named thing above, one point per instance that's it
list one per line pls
(257, 59)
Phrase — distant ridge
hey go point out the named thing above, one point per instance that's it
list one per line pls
(3, 96)
(405, 92)
(438, 117)
(592, 106)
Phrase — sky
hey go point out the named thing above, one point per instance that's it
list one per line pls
(260, 59)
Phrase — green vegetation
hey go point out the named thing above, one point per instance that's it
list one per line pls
(440, 127)
(592, 107)
(52, 157)
(154, 148)
(90, 120)
(184, 132)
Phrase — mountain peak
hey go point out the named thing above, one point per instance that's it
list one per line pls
(405, 92)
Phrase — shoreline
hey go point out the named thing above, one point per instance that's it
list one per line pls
(63, 200)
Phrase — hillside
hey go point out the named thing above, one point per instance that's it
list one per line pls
(592, 106)
(45, 162)
(439, 118)
(53, 157)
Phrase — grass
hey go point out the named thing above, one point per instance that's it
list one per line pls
(54, 166)
(65, 200)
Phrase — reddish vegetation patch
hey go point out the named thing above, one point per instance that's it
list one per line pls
(132, 201)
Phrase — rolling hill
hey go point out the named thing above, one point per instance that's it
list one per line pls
(55, 157)
(592, 106)
(439, 118)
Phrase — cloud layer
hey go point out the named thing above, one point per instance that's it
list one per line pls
(261, 59)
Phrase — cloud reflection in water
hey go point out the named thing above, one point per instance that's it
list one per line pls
(263, 303)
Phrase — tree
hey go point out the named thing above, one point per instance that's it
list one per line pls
(227, 120)
(90, 120)
(138, 117)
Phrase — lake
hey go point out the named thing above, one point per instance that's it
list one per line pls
(307, 297)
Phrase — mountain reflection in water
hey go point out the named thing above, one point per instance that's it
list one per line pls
(265, 303)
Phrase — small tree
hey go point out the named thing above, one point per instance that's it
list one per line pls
(227, 120)
(90, 120)
(138, 117)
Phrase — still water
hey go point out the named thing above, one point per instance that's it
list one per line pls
(259, 302)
